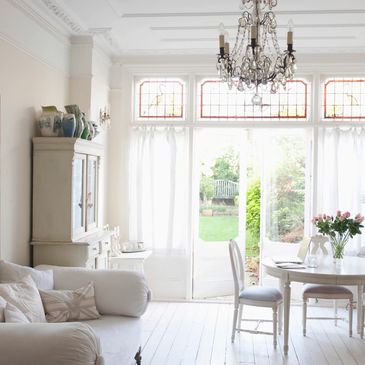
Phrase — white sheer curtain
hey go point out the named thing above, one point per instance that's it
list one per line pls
(158, 186)
(341, 174)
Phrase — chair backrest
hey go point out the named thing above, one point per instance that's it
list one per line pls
(318, 245)
(237, 266)
(303, 248)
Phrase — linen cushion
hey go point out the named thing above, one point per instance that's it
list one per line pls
(261, 293)
(44, 344)
(13, 315)
(24, 295)
(70, 305)
(117, 292)
(2, 307)
(10, 273)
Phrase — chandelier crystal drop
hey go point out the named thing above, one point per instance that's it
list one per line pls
(256, 58)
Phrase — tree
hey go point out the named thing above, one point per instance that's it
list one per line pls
(226, 167)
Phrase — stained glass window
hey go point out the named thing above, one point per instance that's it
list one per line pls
(218, 102)
(344, 99)
(160, 99)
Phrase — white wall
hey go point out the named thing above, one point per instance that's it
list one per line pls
(38, 66)
(26, 83)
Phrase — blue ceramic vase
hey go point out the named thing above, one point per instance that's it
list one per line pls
(69, 125)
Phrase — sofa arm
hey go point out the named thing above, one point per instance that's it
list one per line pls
(49, 343)
(117, 292)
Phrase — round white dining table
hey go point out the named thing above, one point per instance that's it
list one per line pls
(350, 272)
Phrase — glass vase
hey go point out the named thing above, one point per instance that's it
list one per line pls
(338, 243)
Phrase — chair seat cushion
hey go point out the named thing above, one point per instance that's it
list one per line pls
(325, 289)
(261, 293)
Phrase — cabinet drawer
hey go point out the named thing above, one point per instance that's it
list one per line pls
(105, 246)
(94, 249)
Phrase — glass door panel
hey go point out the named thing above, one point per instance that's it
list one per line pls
(285, 188)
(91, 195)
(219, 218)
(78, 194)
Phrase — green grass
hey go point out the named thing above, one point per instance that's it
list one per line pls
(224, 228)
(218, 228)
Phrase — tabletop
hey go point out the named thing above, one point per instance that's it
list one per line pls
(350, 272)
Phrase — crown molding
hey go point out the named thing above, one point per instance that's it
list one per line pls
(62, 14)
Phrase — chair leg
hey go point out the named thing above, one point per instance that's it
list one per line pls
(235, 314)
(362, 323)
(240, 308)
(280, 318)
(304, 318)
(350, 317)
(335, 311)
(275, 324)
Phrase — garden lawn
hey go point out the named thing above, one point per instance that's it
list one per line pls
(218, 228)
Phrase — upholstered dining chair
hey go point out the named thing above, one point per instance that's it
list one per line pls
(318, 245)
(254, 296)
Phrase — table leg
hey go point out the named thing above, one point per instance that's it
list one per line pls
(281, 307)
(360, 289)
(286, 315)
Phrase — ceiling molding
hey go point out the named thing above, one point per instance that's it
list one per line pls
(211, 39)
(61, 14)
(296, 26)
(104, 32)
(235, 13)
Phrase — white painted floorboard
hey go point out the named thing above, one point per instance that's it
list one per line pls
(200, 333)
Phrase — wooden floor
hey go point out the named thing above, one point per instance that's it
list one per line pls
(199, 333)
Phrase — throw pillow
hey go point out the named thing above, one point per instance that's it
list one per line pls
(25, 296)
(13, 315)
(10, 273)
(70, 305)
(2, 307)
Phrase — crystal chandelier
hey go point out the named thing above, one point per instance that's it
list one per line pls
(256, 58)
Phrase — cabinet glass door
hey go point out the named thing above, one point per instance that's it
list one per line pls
(78, 194)
(91, 195)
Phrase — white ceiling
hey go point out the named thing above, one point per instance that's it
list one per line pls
(145, 27)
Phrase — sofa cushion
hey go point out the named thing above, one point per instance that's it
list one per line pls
(25, 296)
(70, 305)
(10, 273)
(2, 308)
(117, 292)
(119, 338)
(71, 343)
(13, 315)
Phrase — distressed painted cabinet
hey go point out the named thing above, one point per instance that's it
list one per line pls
(66, 194)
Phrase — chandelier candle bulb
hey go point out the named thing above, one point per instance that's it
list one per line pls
(254, 32)
(226, 48)
(290, 37)
(221, 40)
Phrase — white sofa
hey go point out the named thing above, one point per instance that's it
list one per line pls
(114, 339)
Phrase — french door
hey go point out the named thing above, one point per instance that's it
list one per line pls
(252, 185)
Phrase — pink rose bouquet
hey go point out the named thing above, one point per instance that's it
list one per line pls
(339, 229)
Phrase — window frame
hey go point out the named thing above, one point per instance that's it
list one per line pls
(323, 101)
(199, 105)
(136, 99)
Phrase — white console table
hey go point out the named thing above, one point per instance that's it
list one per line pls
(130, 261)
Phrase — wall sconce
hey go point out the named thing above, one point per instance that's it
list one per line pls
(104, 117)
